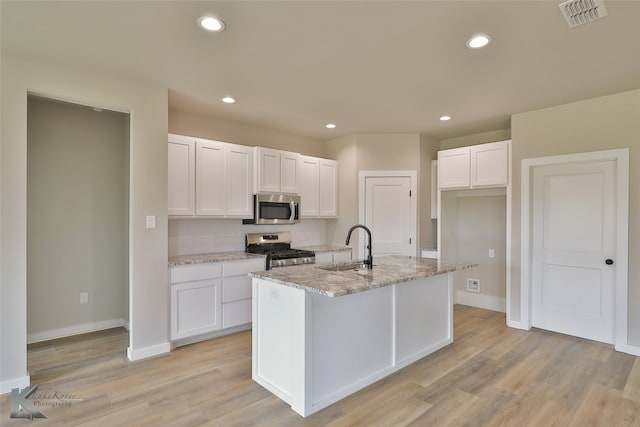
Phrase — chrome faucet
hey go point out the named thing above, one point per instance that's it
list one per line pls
(369, 261)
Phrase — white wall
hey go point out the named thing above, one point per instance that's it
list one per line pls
(77, 209)
(147, 104)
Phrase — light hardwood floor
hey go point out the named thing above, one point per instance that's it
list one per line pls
(491, 376)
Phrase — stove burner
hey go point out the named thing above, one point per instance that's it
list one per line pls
(277, 248)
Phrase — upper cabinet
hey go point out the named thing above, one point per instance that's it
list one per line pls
(209, 178)
(318, 187)
(276, 171)
(181, 174)
(484, 165)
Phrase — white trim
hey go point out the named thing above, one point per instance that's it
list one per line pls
(488, 302)
(143, 353)
(413, 178)
(621, 157)
(7, 386)
(75, 330)
(629, 349)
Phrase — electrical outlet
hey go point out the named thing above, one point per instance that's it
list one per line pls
(84, 297)
(151, 221)
(473, 285)
(492, 253)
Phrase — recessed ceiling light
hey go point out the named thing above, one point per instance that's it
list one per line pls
(330, 126)
(211, 23)
(478, 41)
(445, 118)
(228, 100)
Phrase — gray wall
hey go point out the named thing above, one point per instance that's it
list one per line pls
(191, 124)
(77, 225)
(596, 124)
(148, 106)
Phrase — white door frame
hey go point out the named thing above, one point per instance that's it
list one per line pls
(413, 177)
(621, 157)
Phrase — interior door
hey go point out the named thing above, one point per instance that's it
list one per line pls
(573, 239)
(388, 214)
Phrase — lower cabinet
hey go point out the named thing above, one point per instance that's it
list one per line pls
(195, 308)
(208, 298)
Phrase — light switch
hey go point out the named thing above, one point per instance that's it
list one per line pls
(151, 221)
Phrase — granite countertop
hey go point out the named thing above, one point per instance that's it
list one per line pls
(211, 257)
(387, 270)
(325, 248)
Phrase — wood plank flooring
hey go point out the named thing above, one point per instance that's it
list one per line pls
(490, 376)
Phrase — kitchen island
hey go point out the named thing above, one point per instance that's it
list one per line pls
(322, 332)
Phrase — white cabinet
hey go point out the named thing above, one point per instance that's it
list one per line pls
(195, 300)
(434, 189)
(484, 165)
(328, 188)
(276, 171)
(208, 298)
(236, 291)
(209, 178)
(332, 257)
(318, 187)
(181, 174)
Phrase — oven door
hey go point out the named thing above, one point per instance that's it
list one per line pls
(277, 209)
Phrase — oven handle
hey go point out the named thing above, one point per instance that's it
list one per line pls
(292, 206)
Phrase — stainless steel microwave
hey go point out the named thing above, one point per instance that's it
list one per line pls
(275, 208)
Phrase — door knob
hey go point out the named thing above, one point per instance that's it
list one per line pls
(609, 261)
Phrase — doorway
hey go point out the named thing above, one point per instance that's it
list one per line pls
(388, 206)
(574, 246)
(77, 219)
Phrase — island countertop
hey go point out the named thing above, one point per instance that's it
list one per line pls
(387, 270)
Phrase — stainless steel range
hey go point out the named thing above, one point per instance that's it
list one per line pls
(277, 248)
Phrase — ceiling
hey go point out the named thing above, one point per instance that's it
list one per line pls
(367, 66)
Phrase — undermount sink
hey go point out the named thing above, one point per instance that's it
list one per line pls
(360, 265)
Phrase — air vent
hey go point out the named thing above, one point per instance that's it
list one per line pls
(579, 12)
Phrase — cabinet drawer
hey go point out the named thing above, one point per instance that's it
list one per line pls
(243, 267)
(236, 313)
(236, 288)
(187, 273)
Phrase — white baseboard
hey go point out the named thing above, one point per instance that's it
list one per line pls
(143, 353)
(628, 348)
(75, 330)
(7, 386)
(488, 302)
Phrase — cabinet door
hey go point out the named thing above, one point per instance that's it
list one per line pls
(236, 313)
(289, 164)
(309, 186)
(195, 308)
(268, 170)
(434, 189)
(181, 175)
(328, 197)
(489, 164)
(453, 168)
(239, 181)
(210, 178)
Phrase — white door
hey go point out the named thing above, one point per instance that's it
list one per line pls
(573, 242)
(388, 215)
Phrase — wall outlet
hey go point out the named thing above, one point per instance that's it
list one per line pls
(151, 221)
(84, 297)
(473, 285)
(492, 253)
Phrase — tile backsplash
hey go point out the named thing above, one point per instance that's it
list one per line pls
(202, 235)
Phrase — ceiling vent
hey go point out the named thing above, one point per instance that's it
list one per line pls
(579, 12)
